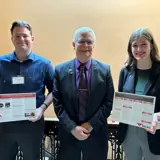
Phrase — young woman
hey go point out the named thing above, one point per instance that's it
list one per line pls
(141, 75)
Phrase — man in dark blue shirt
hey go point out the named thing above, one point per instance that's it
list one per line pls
(36, 74)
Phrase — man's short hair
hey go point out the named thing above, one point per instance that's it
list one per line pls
(83, 30)
(20, 23)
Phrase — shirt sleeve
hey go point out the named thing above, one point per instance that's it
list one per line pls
(49, 77)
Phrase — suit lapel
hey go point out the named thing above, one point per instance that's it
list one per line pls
(96, 79)
(93, 80)
(94, 75)
(129, 85)
(71, 79)
(152, 77)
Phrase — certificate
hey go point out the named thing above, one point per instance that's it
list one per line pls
(133, 109)
(17, 107)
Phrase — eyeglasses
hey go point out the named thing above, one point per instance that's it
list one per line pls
(86, 42)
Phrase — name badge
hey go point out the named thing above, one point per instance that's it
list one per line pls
(18, 80)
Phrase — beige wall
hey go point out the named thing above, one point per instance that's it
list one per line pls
(54, 22)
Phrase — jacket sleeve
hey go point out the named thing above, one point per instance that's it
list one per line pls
(59, 107)
(121, 80)
(49, 77)
(122, 128)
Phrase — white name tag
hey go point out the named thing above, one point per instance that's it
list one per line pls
(18, 80)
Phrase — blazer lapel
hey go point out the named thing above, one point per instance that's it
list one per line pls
(129, 85)
(152, 77)
(94, 75)
(71, 80)
(96, 79)
(93, 80)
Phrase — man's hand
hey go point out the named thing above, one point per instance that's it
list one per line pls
(87, 126)
(80, 133)
(38, 115)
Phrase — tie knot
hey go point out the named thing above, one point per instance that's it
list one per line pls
(82, 67)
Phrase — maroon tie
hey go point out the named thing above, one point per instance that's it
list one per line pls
(83, 92)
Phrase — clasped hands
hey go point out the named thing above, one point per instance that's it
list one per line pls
(82, 132)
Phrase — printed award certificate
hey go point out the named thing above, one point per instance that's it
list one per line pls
(17, 107)
(133, 109)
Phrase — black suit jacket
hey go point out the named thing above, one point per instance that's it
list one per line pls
(127, 84)
(65, 95)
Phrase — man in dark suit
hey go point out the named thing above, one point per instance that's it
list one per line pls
(82, 96)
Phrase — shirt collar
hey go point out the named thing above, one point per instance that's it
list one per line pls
(14, 58)
(78, 63)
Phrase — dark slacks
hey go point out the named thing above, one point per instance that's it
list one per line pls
(27, 135)
(94, 148)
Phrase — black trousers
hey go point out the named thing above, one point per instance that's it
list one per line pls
(94, 148)
(27, 135)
